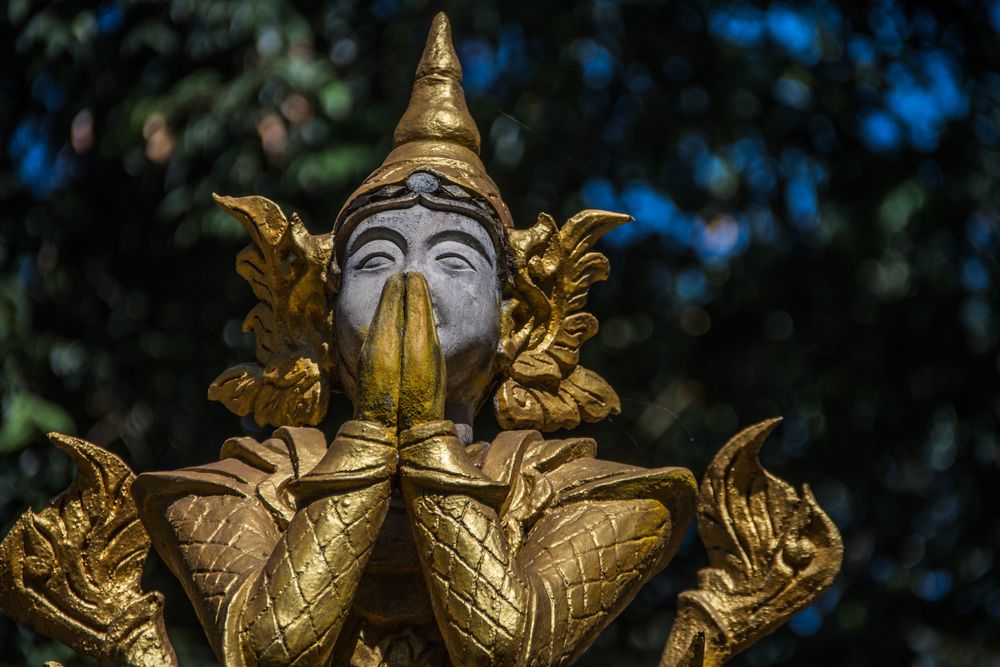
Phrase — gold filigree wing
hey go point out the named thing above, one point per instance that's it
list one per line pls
(72, 571)
(545, 387)
(286, 266)
(771, 552)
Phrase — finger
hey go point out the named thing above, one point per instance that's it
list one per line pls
(423, 369)
(379, 367)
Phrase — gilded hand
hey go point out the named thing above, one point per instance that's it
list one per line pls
(367, 447)
(377, 398)
(422, 374)
(401, 378)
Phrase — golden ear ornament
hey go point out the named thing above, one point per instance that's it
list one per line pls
(545, 387)
(288, 269)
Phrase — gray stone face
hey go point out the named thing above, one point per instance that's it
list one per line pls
(457, 258)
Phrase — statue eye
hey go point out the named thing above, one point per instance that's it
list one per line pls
(455, 262)
(374, 261)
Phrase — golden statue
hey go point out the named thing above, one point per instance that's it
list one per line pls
(406, 542)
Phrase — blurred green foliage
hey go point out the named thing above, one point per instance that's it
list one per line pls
(815, 187)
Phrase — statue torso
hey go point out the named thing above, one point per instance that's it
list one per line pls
(391, 620)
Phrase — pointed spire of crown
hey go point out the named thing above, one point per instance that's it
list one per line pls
(439, 55)
(437, 110)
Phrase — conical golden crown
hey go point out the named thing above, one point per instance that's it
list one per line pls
(437, 110)
(437, 133)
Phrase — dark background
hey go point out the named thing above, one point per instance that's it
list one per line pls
(815, 187)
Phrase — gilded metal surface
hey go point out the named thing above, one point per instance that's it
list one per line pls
(286, 267)
(546, 388)
(437, 133)
(396, 544)
(771, 551)
(488, 535)
(72, 571)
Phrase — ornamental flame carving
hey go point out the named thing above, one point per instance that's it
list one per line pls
(404, 541)
(72, 571)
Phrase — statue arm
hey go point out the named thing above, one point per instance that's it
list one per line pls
(280, 599)
(297, 604)
(542, 603)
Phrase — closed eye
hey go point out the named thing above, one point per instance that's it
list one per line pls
(374, 261)
(455, 262)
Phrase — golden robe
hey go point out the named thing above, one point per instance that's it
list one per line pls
(515, 552)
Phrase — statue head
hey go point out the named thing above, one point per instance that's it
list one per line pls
(430, 208)
(464, 273)
(507, 303)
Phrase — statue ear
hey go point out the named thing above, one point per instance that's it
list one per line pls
(545, 388)
(287, 268)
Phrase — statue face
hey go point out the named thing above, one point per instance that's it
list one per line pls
(457, 258)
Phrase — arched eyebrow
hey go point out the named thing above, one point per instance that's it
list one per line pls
(461, 237)
(377, 234)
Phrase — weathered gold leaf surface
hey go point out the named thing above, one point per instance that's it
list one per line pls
(546, 389)
(72, 570)
(287, 268)
(771, 552)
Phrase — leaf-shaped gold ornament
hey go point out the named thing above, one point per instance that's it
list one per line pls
(287, 269)
(545, 387)
(72, 571)
(771, 552)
